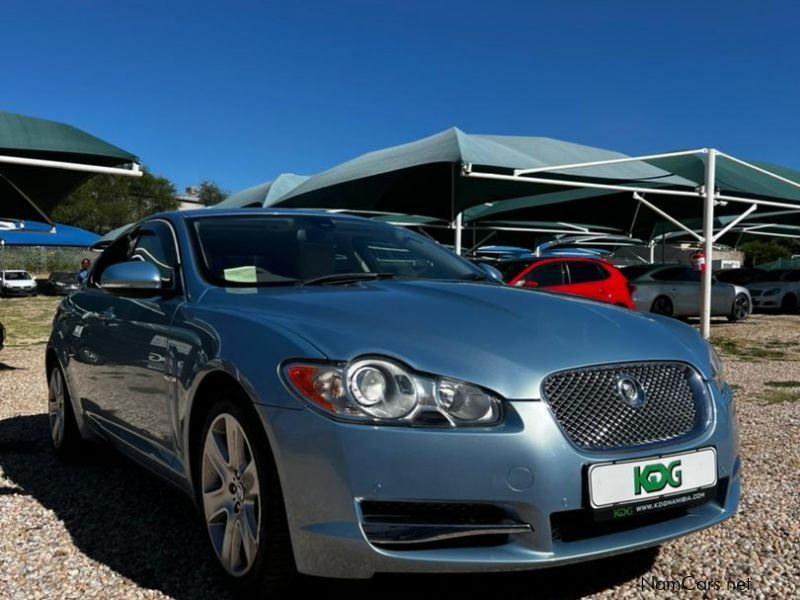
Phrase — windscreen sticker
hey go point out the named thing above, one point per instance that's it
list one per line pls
(241, 274)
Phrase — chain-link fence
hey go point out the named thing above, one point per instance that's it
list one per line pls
(43, 259)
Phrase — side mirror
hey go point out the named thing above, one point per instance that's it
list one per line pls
(491, 272)
(131, 276)
(531, 284)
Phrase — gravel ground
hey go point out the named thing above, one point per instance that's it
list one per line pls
(107, 529)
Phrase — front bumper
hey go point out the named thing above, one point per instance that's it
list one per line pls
(15, 291)
(525, 467)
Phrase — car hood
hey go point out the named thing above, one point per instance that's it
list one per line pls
(20, 283)
(762, 285)
(502, 338)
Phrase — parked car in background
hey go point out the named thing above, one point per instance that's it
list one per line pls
(674, 290)
(17, 283)
(743, 276)
(495, 253)
(779, 289)
(586, 277)
(344, 397)
(60, 283)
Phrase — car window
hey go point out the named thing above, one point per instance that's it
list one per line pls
(546, 275)
(281, 250)
(676, 274)
(634, 271)
(793, 275)
(512, 268)
(155, 244)
(586, 272)
(18, 276)
(116, 252)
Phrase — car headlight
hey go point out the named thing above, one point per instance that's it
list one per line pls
(377, 390)
(772, 292)
(717, 370)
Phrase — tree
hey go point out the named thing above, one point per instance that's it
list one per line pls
(106, 202)
(763, 251)
(210, 193)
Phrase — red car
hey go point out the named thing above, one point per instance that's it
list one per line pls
(587, 277)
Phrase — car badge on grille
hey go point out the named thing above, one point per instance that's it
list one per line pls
(630, 391)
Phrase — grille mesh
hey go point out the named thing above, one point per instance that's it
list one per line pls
(589, 409)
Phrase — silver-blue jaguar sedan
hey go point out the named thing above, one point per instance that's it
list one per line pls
(343, 397)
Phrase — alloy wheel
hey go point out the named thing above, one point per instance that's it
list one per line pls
(55, 406)
(662, 306)
(231, 494)
(741, 307)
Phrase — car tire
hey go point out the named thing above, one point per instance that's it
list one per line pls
(740, 309)
(789, 303)
(64, 433)
(662, 305)
(242, 507)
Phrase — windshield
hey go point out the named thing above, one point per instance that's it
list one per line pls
(17, 276)
(284, 250)
(64, 277)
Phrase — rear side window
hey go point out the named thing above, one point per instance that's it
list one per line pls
(586, 272)
(635, 271)
(546, 275)
(671, 274)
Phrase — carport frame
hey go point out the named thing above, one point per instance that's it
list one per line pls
(134, 171)
(708, 193)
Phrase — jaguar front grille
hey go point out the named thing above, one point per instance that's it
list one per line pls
(592, 410)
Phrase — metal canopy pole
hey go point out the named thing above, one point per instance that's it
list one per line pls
(134, 171)
(708, 242)
(458, 226)
(735, 222)
(666, 215)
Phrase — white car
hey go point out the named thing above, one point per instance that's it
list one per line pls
(778, 290)
(17, 283)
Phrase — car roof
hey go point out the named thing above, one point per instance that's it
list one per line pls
(243, 212)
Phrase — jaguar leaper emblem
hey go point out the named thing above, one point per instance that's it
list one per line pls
(630, 391)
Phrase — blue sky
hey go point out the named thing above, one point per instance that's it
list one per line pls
(238, 92)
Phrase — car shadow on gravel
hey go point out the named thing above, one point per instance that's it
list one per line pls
(122, 516)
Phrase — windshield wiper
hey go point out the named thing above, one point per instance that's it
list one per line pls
(336, 278)
(474, 277)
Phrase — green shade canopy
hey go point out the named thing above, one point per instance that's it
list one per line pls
(263, 194)
(32, 138)
(424, 177)
(621, 210)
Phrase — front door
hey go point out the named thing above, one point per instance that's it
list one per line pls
(125, 337)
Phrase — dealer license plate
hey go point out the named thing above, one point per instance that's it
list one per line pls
(640, 480)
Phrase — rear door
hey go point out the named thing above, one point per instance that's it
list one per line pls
(588, 279)
(549, 276)
(682, 286)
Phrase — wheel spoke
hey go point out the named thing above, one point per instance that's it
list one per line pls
(235, 438)
(249, 544)
(226, 553)
(250, 481)
(216, 501)
(214, 455)
(56, 407)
